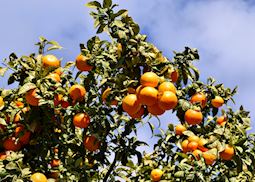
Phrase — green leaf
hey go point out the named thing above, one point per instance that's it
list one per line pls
(121, 12)
(3, 122)
(55, 45)
(26, 87)
(107, 3)
(179, 174)
(93, 4)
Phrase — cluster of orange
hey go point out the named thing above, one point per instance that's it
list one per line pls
(154, 96)
(196, 145)
(21, 135)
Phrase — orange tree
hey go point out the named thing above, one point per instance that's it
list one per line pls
(78, 121)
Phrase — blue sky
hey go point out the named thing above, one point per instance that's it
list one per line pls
(222, 30)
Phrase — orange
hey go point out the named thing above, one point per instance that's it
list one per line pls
(139, 114)
(55, 163)
(193, 117)
(1, 102)
(81, 120)
(106, 94)
(22, 134)
(228, 153)
(167, 86)
(17, 117)
(149, 79)
(54, 76)
(55, 150)
(217, 102)
(38, 177)
(209, 158)
(64, 104)
(148, 96)
(50, 61)
(155, 110)
(59, 71)
(175, 76)
(82, 63)
(199, 98)
(10, 144)
(130, 104)
(91, 143)
(197, 153)
(31, 97)
(179, 129)
(156, 174)
(3, 156)
(19, 104)
(222, 120)
(193, 138)
(192, 146)
(57, 99)
(77, 92)
(167, 100)
(184, 145)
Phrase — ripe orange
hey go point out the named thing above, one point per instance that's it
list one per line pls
(3, 156)
(192, 146)
(197, 153)
(139, 114)
(105, 95)
(167, 86)
(81, 120)
(54, 76)
(22, 134)
(148, 96)
(222, 120)
(167, 100)
(57, 99)
(82, 63)
(38, 177)
(130, 104)
(149, 79)
(10, 144)
(77, 92)
(32, 97)
(156, 174)
(50, 61)
(193, 117)
(65, 104)
(91, 143)
(228, 153)
(55, 163)
(155, 109)
(184, 145)
(1, 102)
(179, 129)
(193, 138)
(174, 76)
(217, 102)
(19, 104)
(199, 98)
(209, 158)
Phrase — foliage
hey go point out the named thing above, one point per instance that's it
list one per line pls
(117, 64)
